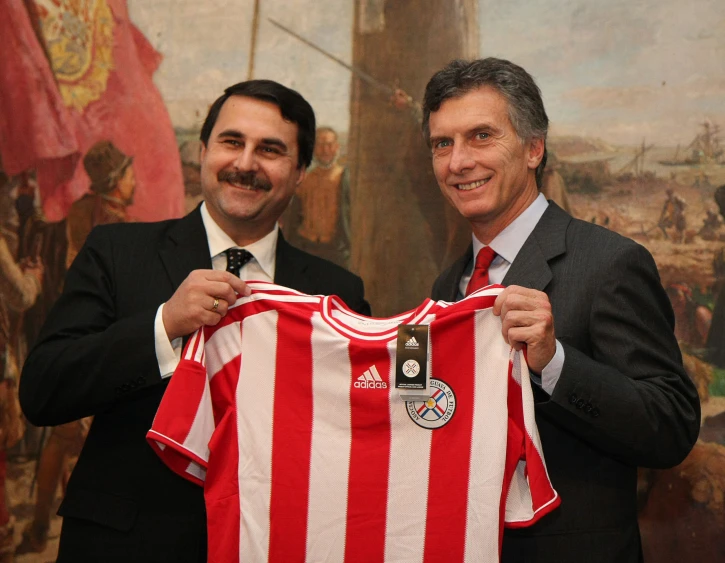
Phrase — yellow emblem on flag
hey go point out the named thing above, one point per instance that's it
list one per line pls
(78, 37)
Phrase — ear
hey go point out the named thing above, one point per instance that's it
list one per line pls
(536, 152)
(202, 152)
(301, 173)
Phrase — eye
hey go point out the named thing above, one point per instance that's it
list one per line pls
(482, 135)
(232, 142)
(442, 144)
(270, 150)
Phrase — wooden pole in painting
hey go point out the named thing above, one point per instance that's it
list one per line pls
(402, 231)
(253, 46)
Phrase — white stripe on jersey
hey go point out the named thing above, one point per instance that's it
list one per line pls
(488, 448)
(408, 486)
(255, 405)
(331, 439)
(222, 348)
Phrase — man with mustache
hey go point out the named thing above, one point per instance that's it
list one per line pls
(135, 291)
(587, 303)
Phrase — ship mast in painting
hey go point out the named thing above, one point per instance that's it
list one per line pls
(705, 148)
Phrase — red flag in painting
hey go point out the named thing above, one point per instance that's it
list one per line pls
(80, 86)
(36, 128)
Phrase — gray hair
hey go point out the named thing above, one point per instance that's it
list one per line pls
(525, 106)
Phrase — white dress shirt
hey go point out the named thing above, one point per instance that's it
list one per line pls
(260, 267)
(507, 245)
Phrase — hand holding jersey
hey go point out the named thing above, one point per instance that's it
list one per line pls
(193, 303)
(526, 319)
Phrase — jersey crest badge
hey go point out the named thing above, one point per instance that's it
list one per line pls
(437, 411)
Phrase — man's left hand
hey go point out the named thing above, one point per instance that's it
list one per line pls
(527, 319)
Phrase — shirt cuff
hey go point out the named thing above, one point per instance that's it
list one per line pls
(552, 372)
(168, 354)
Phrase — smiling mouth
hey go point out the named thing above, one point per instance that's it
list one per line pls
(248, 187)
(244, 180)
(471, 185)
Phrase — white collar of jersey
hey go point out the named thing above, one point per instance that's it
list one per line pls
(508, 242)
(360, 327)
(264, 250)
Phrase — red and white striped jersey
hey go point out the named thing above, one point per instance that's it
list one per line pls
(287, 413)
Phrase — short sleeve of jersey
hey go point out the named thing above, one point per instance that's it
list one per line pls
(529, 493)
(184, 423)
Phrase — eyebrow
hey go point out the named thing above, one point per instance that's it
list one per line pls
(268, 141)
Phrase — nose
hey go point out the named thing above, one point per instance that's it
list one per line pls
(246, 159)
(461, 159)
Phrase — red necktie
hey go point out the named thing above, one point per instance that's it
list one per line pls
(479, 277)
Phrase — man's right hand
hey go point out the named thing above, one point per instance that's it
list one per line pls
(192, 304)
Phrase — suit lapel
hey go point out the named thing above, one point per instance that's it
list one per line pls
(546, 242)
(290, 268)
(186, 248)
(447, 289)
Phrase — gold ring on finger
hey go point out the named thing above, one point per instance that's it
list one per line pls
(216, 304)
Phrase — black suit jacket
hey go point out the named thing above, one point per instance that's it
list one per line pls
(96, 356)
(623, 399)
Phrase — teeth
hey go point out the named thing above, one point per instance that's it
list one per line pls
(243, 186)
(472, 185)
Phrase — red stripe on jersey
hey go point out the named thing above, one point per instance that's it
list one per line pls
(515, 450)
(291, 439)
(369, 456)
(450, 457)
(173, 418)
(520, 446)
(221, 489)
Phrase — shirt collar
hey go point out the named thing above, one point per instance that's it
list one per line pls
(264, 250)
(508, 242)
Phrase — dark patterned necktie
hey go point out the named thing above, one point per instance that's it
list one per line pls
(236, 258)
(479, 277)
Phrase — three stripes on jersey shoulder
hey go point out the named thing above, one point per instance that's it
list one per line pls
(195, 347)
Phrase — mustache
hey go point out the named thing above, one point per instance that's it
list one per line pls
(245, 178)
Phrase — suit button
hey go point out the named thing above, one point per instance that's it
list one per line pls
(595, 413)
(580, 403)
(125, 387)
(572, 399)
(588, 408)
(140, 380)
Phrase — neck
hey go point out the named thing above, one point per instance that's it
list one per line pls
(486, 231)
(243, 233)
(326, 166)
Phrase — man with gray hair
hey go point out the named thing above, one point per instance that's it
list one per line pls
(611, 393)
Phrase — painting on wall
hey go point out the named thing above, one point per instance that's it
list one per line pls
(101, 102)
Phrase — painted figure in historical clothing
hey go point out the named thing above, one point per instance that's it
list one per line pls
(318, 218)
(20, 284)
(112, 188)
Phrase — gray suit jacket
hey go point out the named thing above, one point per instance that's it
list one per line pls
(623, 399)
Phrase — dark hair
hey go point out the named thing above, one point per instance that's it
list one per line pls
(525, 106)
(291, 104)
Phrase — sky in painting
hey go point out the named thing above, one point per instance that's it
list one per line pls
(620, 70)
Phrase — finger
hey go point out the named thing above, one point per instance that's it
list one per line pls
(210, 318)
(219, 289)
(223, 308)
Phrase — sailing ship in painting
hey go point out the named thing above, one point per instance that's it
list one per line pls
(705, 148)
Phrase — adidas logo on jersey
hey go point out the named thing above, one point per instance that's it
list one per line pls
(412, 343)
(370, 380)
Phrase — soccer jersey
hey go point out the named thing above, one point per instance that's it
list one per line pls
(287, 413)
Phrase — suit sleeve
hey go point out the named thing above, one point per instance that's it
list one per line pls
(86, 357)
(629, 394)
